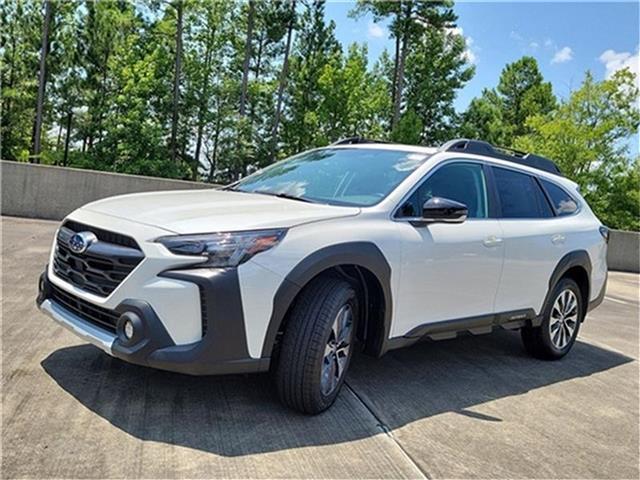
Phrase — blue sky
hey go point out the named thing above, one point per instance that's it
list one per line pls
(567, 39)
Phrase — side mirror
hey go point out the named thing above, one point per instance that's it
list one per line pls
(443, 210)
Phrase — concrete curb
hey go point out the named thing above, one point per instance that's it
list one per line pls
(48, 192)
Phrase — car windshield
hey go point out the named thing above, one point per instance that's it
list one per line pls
(336, 176)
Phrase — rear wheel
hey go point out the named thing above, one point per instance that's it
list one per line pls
(317, 345)
(561, 321)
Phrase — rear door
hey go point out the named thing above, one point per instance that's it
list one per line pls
(534, 240)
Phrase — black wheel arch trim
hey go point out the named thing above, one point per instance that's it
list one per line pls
(577, 258)
(361, 254)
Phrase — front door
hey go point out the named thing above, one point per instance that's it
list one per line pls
(449, 271)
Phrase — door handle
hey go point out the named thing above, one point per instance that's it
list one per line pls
(492, 241)
(558, 239)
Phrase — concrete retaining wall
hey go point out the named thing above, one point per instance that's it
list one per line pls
(42, 191)
(624, 251)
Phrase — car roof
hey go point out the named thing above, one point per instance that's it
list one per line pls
(387, 146)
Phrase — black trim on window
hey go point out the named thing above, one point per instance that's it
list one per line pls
(546, 196)
(397, 211)
(536, 182)
(495, 208)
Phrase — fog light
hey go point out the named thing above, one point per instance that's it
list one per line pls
(128, 329)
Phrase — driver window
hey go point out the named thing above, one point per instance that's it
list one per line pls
(462, 182)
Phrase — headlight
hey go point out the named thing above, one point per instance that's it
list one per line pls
(223, 249)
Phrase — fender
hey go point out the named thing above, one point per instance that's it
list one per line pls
(362, 254)
(577, 258)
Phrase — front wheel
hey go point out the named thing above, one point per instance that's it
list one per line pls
(561, 321)
(317, 345)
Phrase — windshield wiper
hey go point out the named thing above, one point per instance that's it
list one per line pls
(282, 195)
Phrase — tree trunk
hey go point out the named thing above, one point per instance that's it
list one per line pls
(214, 156)
(176, 81)
(6, 110)
(396, 61)
(59, 137)
(247, 59)
(283, 83)
(42, 81)
(103, 95)
(405, 22)
(204, 96)
(397, 101)
(261, 46)
(67, 137)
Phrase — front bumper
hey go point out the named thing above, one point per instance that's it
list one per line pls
(222, 350)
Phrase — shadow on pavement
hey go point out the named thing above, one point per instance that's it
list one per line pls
(240, 415)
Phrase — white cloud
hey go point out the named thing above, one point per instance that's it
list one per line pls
(534, 45)
(375, 31)
(515, 36)
(548, 42)
(469, 53)
(563, 55)
(614, 61)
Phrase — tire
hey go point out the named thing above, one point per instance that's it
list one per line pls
(558, 331)
(308, 352)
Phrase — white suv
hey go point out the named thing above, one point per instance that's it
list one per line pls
(366, 242)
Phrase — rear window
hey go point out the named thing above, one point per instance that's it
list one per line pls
(563, 203)
(520, 195)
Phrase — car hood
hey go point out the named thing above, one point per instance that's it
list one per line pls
(210, 210)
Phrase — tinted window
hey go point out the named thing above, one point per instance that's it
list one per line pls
(338, 176)
(520, 195)
(562, 201)
(462, 182)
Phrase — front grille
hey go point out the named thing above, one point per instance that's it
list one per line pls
(103, 266)
(101, 317)
(103, 235)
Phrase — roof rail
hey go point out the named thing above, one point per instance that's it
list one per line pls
(479, 147)
(356, 140)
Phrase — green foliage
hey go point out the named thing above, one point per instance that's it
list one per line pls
(499, 116)
(110, 102)
(409, 129)
(523, 93)
(484, 120)
(436, 70)
(588, 136)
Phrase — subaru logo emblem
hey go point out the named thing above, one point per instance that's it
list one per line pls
(79, 242)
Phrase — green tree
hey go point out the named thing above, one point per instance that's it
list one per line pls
(501, 115)
(314, 48)
(20, 42)
(352, 100)
(483, 119)
(523, 93)
(437, 68)
(415, 25)
(588, 135)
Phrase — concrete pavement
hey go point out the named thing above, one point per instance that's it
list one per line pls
(473, 407)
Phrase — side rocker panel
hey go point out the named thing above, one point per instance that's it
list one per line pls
(362, 254)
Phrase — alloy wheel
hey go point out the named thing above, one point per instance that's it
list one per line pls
(564, 319)
(337, 350)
